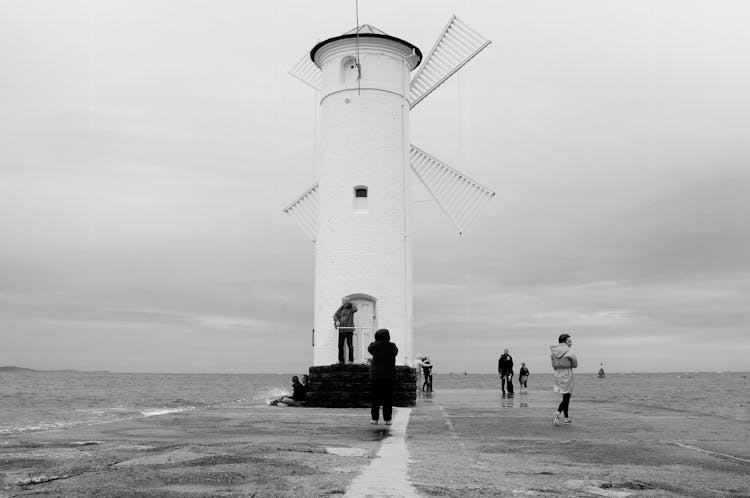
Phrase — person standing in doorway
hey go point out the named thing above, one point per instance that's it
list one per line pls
(343, 320)
(563, 363)
(523, 378)
(382, 375)
(505, 369)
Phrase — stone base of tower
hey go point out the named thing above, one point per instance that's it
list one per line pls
(348, 386)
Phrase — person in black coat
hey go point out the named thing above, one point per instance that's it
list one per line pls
(505, 369)
(427, 369)
(298, 397)
(382, 375)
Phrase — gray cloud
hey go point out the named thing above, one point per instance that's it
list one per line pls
(146, 156)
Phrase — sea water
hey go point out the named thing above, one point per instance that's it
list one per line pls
(34, 400)
(722, 394)
(40, 400)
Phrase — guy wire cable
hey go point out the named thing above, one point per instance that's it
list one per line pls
(359, 66)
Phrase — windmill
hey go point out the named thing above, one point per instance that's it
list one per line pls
(358, 211)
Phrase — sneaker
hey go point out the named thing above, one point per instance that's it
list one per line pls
(567, 420)
(556, 420)
(374, 422)
(387, 422)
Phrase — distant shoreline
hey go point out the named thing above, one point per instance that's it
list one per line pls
(11, 368)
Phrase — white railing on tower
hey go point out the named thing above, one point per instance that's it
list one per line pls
(361, 339)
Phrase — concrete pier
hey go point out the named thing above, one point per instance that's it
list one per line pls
(455, 443)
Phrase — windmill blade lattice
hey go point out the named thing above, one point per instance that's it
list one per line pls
(460, 197)
(456, 46)
(304, 211)
(307, 72)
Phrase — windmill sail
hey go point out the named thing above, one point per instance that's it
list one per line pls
(456, 46)
(304, 210)
(460, 197)
(307, 72)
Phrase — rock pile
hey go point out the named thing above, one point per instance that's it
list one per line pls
(348, 386)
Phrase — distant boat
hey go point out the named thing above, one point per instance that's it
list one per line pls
(601, 373)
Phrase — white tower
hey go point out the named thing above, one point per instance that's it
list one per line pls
(358, 212)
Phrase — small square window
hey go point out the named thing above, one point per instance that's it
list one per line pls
(360, 199)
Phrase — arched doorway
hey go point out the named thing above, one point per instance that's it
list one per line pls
(365, 323)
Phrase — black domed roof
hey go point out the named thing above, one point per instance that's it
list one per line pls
(366, 31)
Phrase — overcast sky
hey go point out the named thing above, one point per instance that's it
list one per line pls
(147, 149)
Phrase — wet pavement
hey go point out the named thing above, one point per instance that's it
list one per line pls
(461, 442)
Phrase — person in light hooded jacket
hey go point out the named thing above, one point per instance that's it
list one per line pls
(382, 375)
(563, 362)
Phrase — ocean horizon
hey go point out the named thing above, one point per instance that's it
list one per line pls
(10, 368)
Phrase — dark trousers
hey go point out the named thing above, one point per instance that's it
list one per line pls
(382, 395)
(349, 337)
(564, 404)
(427, 379)
(506, 382)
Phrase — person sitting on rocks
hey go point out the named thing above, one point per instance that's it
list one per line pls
(299, 395)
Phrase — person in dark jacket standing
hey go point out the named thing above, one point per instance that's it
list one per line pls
(505, 369)
(427, 369)
(343, 320)
(523, 378)
(382, 375)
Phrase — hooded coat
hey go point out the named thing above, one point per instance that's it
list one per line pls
(383, 353)
(563, 361)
